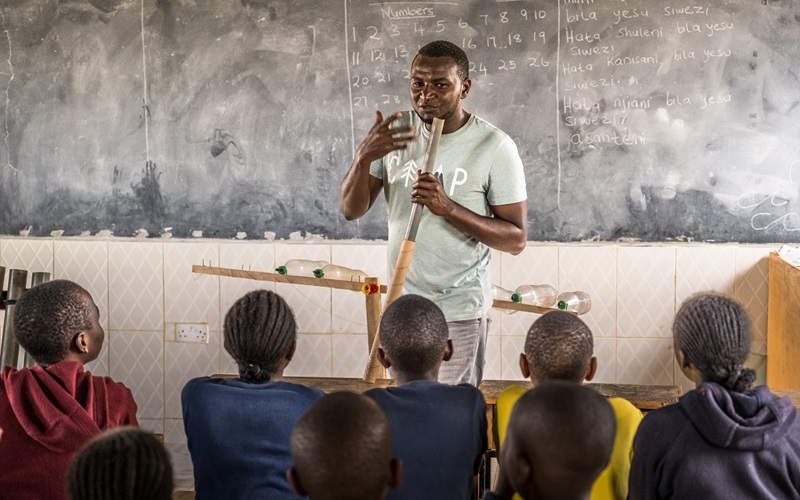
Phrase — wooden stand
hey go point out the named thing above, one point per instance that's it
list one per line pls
(373, 305)
(783, 324)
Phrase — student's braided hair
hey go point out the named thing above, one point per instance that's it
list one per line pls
(443, 48)
(121, 464)
(713, 332)
(259, 331)
(48, 316)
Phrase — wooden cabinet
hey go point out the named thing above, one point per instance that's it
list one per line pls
(783, 330)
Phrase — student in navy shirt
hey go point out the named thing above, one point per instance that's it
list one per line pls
(439, 429)
(238, 428)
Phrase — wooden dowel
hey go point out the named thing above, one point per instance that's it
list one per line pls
(354, 286)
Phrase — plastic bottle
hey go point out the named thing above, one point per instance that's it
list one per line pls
(500, 293)
(577, 302)
(537, 295)
(332, 271)
(300, 267)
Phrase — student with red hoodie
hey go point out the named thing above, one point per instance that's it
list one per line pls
(49, 412)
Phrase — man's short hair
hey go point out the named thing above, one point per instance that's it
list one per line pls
(443, 48)
(567, 433)
(48, 316)
(559, 346)
(414, 334)
(342, 448)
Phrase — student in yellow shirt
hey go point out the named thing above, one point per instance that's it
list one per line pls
(559, 346)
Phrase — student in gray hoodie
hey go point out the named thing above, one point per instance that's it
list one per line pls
(723, 439)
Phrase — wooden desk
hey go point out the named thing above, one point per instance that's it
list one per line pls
(644, 397)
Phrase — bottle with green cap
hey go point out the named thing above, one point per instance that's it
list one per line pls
(332, 271)
(577, 302)
(537, 295)
(300, 267)
(500, 293)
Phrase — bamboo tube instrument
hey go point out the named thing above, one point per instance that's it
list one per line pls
(406, 250)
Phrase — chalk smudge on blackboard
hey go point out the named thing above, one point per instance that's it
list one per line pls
(148, 194)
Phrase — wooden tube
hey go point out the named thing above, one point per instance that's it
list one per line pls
(406, 251)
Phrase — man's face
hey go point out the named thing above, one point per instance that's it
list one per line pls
(435, 88)
(95, 333)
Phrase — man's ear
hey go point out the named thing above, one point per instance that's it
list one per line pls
(81, 343)
(591, 370)
(396, 477)
(382, 359)
(448, 351)
(294, 482)
(524, 368)
(518, 470)
(465, 86)
(292, 349)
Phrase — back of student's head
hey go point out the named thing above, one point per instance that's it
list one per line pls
(713, 331)
(342, 449)
(563, 433)
(48, 316)
(414, 334)
(259, 332)
(121, 464)
(559, 346)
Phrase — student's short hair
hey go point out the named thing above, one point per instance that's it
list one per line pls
(443, 48)
(559, 346)
(258, 333)
(414, 334)
(121, 464)
(567, 430)
(48, 316)
(342, 448)
(713, 331)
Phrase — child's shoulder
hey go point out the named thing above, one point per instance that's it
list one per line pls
(624, 409)
(510, 395)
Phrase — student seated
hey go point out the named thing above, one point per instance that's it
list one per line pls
(121, 464)
(342, 450)
(722, 439)
(560, 438)
(50, 411)
(439, 430)
(559, 346)
(238, 428)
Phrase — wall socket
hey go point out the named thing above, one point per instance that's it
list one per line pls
(195, 333)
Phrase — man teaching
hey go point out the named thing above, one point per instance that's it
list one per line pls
(476, 199)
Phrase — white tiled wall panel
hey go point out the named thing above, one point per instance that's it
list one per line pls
(32, 255)
(136, 285)
(143, 287)
(645, 291)
(592, 270)
(703, 269)
(137, 360)
(190, 297)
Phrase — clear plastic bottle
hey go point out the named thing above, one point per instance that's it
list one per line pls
(537, 295)
(300, 267)
(577, 302)
(334, 272)
(500, 293)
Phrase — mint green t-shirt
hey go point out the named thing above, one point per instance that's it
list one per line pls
(478, 166)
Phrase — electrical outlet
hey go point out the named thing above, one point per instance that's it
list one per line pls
(195, 333)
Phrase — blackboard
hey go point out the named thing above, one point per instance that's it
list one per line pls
(645, 120)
